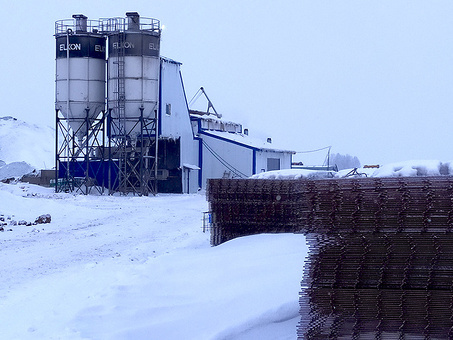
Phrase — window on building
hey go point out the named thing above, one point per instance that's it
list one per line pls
(168, 110)
(273, 164)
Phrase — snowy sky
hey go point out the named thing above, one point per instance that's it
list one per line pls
(373, 79)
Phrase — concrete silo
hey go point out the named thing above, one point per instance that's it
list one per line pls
(133, 70)
(80, 72)
(80, 83)
(133, 101)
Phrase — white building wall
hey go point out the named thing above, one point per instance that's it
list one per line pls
(175, 123)
(236, 156)
(262, 156)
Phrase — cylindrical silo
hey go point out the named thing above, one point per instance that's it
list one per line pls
(133, 72)
(80, 71)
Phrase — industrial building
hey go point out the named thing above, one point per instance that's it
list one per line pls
(123, 121)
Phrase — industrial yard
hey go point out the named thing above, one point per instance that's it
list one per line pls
(116, 267)
(142, 214)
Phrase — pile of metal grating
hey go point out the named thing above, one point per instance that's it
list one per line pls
(380, 260)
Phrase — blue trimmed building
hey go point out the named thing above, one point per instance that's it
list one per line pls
(194, 146)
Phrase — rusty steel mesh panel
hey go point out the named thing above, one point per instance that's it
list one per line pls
(378, 286)
(247, 207)
(330, 206)
(380, 262)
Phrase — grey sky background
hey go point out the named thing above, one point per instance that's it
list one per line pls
(373, 79)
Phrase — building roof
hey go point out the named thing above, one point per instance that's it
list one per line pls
(246, 141)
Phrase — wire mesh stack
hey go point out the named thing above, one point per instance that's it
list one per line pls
(247, 207)
(380, 260)
(379, 286)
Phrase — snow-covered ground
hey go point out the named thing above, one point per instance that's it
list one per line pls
(139, 268)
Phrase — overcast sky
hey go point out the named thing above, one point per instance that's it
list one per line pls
(373, 79)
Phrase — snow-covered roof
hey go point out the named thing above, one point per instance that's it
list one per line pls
(171, 61)
(211, 123)
(190, 166)
(248, 141)
(293, 174)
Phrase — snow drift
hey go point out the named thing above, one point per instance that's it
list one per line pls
(400, 169)
(21, 143)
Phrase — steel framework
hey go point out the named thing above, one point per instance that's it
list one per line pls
(132, 161)
(80, 162)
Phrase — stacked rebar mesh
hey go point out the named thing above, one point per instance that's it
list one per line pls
(248, 207)
(380, 260)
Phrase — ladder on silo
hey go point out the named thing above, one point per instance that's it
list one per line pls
(121, 109)
(121, 91)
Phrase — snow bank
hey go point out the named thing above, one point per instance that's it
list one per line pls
(15, 170)
(209, 293)
(414, 168)
(23, 142)
(401, 169)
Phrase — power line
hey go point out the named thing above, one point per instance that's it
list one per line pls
(224, 162)
(324, 148)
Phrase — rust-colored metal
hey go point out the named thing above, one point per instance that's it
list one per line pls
(380, 262)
